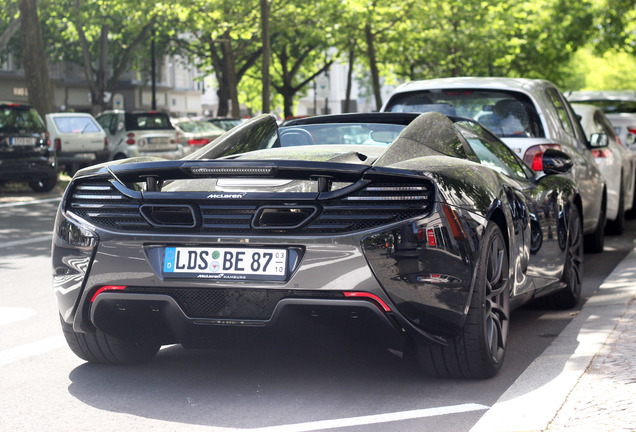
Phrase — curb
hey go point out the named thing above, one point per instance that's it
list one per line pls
(536, 397)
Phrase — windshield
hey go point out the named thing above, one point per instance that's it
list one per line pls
(78, 125)
(339, 134)
(505, 113)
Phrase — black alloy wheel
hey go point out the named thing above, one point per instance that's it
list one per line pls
(569, 296)
(479, 350)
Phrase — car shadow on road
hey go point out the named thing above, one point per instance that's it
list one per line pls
(272, 382)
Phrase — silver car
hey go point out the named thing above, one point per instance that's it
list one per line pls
(616, 162)
(530, 116)
(140, 133)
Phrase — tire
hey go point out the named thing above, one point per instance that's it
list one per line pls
(594, 242)
(570, 296)
(99, 347)
(617, 226)
(479, 350)
(45, 184)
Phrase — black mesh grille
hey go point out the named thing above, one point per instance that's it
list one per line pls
(252, 304)
(373, 206)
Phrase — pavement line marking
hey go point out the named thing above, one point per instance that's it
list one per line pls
(30, 350)
(370, 419)
(22, 203)
(10, 315)
(27, 241)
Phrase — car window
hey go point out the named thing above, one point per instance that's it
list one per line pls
(557, 103)
(76, 125)
(505, 113)
(601, 123)
(490, 151)
(16, 118)
(147, 121)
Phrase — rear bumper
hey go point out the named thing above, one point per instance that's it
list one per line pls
(83, 158)
(28, 169)
(159, 317)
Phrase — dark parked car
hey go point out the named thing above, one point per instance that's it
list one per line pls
(421, 231)
(25, 153)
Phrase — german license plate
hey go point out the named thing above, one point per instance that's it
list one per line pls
(23, 141)
(225, 263)
(159, 140)
(87, 156)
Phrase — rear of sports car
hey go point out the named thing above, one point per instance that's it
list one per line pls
(198, 251)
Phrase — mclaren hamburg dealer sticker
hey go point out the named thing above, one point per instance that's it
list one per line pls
(225, 263)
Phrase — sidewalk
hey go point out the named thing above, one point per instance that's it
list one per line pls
(586, 379)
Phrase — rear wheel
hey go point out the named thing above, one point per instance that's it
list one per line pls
(44, 184)
(569, 296)
(479, 350)
(99, 347)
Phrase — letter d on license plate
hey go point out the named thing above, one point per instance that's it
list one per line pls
(225, 263)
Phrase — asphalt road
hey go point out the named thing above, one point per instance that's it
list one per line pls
(318, 382)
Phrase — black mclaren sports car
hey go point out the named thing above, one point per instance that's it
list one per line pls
(421, 231)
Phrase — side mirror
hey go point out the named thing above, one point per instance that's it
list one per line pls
(556, 162)
(599, 140)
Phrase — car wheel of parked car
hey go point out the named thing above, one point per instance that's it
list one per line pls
(569, 296)
(594, 242)
(99, 347)
(478, 351)
(43, 185)
(617, 226)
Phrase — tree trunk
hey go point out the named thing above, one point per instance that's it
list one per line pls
(230, 76)
(267, 50)
(373, 64)
(352, 54)
(8, 33)
(34, 59)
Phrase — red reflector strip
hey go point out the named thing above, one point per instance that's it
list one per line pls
(107, 288)
(370, 296)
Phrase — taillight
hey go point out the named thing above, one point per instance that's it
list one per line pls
(57, 144)
(534, 155)
(47, 138)
(601, 153)
(105, 143)
(201, 141)
(130, 140)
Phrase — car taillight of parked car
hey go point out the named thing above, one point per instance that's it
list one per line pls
(200, 141)
(45, 136)
(131, 138)
(534, 155)
(105, 143)
(57, 144)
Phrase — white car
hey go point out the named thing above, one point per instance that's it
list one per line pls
(78, 140)
(618, 106)
(140, 133)
(617, 163)
(530, 116)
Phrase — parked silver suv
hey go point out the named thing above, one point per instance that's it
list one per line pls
(140, 133)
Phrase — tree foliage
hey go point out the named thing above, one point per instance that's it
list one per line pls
(382, 43)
